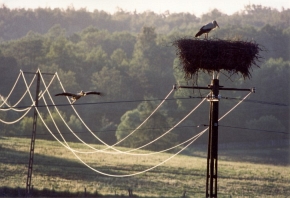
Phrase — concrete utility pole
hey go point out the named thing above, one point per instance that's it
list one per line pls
(212, 152)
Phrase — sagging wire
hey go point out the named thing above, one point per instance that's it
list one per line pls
(17, 120)
(98, 150)
(108, 147)
(103, 150)
(26, 109)
(107, 152)
(140, 171)
(11, 90)
(170, 128)
(118, 151)
(12, 107)
(128, 175)
(100, 171)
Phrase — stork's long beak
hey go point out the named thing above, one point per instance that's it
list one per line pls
(218, 25)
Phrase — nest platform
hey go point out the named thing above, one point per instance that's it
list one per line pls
(209, 55)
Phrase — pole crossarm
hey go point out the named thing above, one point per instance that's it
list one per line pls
(209, 87)
(37, 72)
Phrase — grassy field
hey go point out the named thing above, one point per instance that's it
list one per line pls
(56, 169)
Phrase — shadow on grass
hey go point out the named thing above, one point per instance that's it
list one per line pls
(56, 167)
(21, 192)
(268, 156)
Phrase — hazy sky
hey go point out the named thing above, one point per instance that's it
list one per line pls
(196, 7)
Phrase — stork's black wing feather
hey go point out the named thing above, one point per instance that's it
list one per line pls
(202, 31)
(93, 92)
(199, 33)
(65, 94)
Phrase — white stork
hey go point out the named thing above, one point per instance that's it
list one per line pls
(207, 28)
(75, 97)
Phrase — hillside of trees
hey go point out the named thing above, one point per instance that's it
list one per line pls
(130, 58)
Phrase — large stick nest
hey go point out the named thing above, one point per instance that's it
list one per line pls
(209, 55)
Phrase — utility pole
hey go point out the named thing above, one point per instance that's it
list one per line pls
(212, 152)
(30, 164)
(33, 135)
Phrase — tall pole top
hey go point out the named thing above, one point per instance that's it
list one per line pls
(215, 75)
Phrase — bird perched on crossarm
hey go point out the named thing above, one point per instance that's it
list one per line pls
(75, 97)
(207, 28)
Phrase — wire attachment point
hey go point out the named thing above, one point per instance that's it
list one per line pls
(175, 87)
(213, 98)
(253, 90)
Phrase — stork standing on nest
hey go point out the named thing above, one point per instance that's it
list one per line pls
(75, 97)
(207, 28)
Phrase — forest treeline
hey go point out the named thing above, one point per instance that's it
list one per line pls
(130, 58)
(16, 23)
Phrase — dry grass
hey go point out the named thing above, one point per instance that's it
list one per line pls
(55, 168)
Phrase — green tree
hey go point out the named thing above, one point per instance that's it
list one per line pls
(75, 123)
(112, 83)
(158, 124)
(25, 127)
(107, 130)
(271, 81)
(119, 58)
(96, 59)
(270, 124)
(27, 50)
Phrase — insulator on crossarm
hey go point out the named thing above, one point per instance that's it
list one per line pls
(175, 87)
(253, 90)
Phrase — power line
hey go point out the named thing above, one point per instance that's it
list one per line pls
(119, 141)
(191, 140)
(260, 130)
(107, 102)
(106, 131)
(193, 110)
(81, 120)
(151, 100)
(193, 126)
(85, 124)
(258, 101)
(4, 100)
(130, 101)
